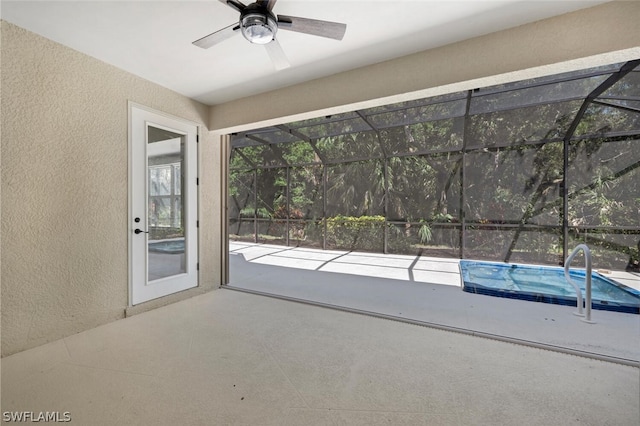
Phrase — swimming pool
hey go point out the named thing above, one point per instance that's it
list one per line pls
(167, 246)
(545, 284)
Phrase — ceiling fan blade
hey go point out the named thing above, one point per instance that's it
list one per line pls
(267, 3)
(277, 55)
(215, 38)
(315, 27)
(234, 4)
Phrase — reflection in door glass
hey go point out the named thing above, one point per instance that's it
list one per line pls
(166, 242)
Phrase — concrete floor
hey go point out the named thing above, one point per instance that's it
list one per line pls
(231, 358)
(428, 290)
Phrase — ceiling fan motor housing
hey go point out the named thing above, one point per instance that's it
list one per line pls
(257, 24)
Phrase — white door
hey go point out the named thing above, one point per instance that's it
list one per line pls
(163, 245)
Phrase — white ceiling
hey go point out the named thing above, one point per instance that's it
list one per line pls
(152, 39)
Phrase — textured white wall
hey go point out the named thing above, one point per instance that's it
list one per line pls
(64, 188)
(590, 37)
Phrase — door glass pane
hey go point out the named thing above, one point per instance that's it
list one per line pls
(166, 242)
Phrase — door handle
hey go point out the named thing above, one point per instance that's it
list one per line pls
(140, 231)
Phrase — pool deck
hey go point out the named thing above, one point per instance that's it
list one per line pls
(427, 290)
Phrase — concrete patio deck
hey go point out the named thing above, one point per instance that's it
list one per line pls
(229, 358)
(427, 290)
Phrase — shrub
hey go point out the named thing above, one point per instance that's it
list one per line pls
(356, 233)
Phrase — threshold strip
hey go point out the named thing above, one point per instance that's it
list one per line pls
(545, 346)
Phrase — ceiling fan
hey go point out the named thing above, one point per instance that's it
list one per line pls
(259, 25)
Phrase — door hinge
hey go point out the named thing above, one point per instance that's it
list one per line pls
(198, 266)
(197, 181)
(197, 138)
(197, 224)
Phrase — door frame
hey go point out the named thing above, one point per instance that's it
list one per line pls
(193, 203)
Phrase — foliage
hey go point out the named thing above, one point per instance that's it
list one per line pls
(261, 213)
(355, 233)
(162, 232)
(282, 213)
(424, 232)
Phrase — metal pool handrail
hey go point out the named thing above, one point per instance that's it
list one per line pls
(587, 262)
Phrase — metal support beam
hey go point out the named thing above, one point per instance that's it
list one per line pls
(288, 204)
(273, 147)
(618, 106)
(461, 211)
(245, 158)
(304, 138)
(255, 206)
(324, 206)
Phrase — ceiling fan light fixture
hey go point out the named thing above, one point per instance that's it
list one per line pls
(258, 28)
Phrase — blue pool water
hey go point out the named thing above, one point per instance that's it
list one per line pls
(545, 284)
(167, 247)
